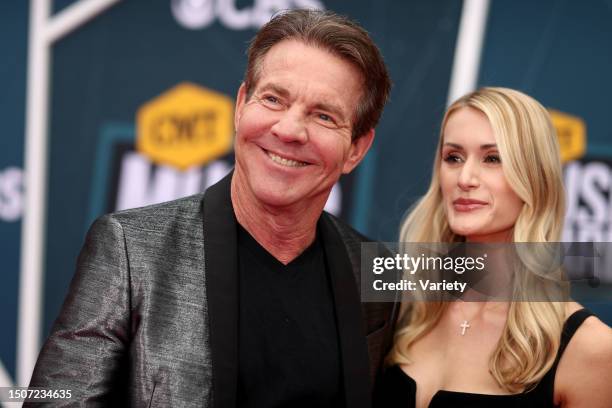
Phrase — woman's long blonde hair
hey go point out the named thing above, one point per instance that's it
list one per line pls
(531, 163)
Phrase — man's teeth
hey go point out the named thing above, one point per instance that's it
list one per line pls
(285, 162)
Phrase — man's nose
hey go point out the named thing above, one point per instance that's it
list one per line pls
(291, 127)
(469, 175)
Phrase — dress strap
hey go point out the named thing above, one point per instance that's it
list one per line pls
(544, 391)
(569, 328)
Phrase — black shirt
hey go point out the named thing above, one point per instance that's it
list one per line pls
(288, 340)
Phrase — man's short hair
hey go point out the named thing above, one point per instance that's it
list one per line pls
(341, 37)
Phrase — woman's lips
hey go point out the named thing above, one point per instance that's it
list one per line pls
(468, 204)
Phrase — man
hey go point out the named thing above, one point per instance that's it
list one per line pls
(246, 295)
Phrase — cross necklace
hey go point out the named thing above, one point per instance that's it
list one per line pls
(464, 326)
(479, 313)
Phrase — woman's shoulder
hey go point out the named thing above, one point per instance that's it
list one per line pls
(585, 365)
(591, 342)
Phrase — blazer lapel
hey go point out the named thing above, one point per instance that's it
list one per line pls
(221, 268)
(351, 330)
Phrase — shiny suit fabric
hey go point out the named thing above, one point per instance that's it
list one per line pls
(151, 317)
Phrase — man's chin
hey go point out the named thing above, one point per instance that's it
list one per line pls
(277, 198)
(285, 197)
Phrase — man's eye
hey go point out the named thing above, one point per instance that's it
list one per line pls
(271, 99)
(326, 120)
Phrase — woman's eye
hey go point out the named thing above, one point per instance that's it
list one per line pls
(452, 158)
(492, 158)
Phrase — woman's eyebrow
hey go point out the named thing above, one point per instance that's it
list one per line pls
(454, 145)
(488, 146)
(482, 147)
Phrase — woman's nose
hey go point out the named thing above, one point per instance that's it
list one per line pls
(469, 175)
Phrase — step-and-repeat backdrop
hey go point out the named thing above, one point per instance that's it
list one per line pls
(141, 99)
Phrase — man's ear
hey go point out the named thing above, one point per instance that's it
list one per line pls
(240, 101)
(358, 150)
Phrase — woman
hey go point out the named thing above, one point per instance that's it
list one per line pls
(496, 178)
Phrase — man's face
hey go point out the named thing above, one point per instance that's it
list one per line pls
(293, 135)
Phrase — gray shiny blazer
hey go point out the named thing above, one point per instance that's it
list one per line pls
(151, 318)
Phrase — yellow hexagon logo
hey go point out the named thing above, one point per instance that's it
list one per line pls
(185, 126)
(571, 133)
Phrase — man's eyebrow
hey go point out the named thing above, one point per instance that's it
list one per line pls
(331, 108)
(277, 89)
(324, 106)
(482, 147)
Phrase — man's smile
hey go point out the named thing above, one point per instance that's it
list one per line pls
(284, 161)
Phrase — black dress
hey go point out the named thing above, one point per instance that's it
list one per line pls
(396, 389)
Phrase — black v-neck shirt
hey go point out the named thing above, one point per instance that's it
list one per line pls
(288, 340)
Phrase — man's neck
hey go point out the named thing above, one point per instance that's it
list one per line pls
(285, 232)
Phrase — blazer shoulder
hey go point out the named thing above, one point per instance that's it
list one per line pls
(156, 216)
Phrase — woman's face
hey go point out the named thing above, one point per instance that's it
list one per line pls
(478, 200)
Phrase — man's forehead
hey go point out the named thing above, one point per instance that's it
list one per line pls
(286, 53)
(327, 78)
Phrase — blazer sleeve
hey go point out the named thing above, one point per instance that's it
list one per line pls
(87, 350)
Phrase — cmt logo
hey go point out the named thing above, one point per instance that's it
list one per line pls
(571, 133)
(197, 14)
(185, 126)
(194, 129)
